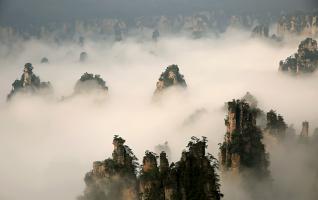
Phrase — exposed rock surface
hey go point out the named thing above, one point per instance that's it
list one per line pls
(197, 24)
(242, 149)
(240, 21)
(263, 31)
(170, 77)
(29, 83)
(304, 61)
(305, 129)
(163, 148)
(113, 178)
(304, 24)
(193, 177)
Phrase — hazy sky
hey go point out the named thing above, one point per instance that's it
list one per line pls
(37, 11)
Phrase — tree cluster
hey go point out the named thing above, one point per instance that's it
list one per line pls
(116, 178)
(304, 61)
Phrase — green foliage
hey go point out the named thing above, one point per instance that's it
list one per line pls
(35, 86)
(305, 60)
(236, 145)
(276, 124)
(109, 178)
(194, 176)
(168, 81)
(119, 139)
(86, 77)
(245, 140)
(90, 82)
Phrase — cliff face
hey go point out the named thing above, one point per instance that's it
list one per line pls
(149, 179)
(193, 177)
(113, 178)
(242, 148)
(170, 77)
(304, 61)
(299, 24)
(89, 83)
(29, 83)
(197, 176)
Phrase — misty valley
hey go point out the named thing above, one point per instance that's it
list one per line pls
(175, 101)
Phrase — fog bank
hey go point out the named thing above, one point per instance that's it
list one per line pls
(47, 146)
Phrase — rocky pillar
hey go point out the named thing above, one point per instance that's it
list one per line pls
(305, 129)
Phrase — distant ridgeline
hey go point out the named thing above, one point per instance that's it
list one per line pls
(29, 83)
(304, 61)
(295, 24)
(305, 24)
(242, 148)
(192, 178)
(89, 83)
(170, 77)
(197, 24)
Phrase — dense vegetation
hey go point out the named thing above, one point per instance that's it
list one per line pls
(304, 61)
(170, 77)
(89, 83)
(243, 148)
(193, 177)
(276, 125)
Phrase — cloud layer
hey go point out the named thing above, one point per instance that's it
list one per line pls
(47, 146)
